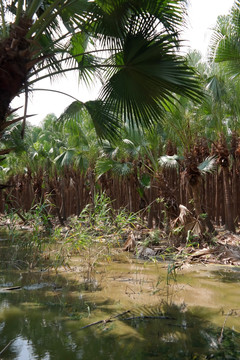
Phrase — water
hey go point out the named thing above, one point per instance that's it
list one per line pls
(42, 314)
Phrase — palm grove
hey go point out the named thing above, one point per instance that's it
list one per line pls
(163, 131)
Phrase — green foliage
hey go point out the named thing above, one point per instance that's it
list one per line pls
(11, 217)
(123, 220)
(145, 180)
(192, 240)
(100, 223)
(153, 238)
(30, 242)
(209, 165)
(225, 41)
(93, 233)
(39, 214)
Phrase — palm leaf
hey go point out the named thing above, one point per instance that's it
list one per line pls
(114, 19)
(82, 162)
(145, 181)
(118, 168)
(106, 122)
(209, 165)
(109, 150)
(103, 166)
(225, 46)
(169, 161)
(122, 169)
(72, 111)
(147, 81)
(66, 158)
(217, 87)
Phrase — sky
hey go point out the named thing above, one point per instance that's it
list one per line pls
(202, 15)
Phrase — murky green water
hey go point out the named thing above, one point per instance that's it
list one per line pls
(197, 317)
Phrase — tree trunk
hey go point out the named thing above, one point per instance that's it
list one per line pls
(150, 209)
(15, 57)
(229, 220)
(235, 193)
(196, 193)
(217, 200)
(63, 202)
(201, 215)
(130, 202)
(91, 179)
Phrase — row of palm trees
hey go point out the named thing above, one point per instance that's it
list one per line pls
(142, 163)
(136, 182)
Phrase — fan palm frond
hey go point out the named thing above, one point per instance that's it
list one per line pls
(225, 46)
(118, 168)
(148, 80)
(122, 169)
(105, 120)
(209, 165)
(103, 166)
(145, 181)
(170, 161)
(217, 87)
(66, 158)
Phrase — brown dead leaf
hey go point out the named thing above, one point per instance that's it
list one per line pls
(203, 252)
(130, 244)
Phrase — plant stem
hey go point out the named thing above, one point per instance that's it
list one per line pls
(33, 7)
(19, 11)
(67, 58)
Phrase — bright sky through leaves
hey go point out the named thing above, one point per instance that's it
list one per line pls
(202, 16)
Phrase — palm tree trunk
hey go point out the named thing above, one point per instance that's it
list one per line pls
(130, 202)
(223, 160)
(196, 193)
(63, 203)
(150, 210)
(217, 200)
(235, 192)
(229, 220)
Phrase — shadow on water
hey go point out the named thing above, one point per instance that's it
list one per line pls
(43, 320)
(231, 275)
(43, 315)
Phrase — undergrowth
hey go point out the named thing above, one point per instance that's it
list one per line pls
(91, 236)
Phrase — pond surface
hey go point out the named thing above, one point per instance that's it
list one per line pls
(44, 315)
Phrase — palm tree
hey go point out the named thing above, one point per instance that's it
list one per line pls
(223, 109)
(119, 160)
(220, 111)
(131, 46)
(224, 47)
(188, 130)
(194, 173)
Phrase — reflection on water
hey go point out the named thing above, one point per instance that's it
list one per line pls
(43, 318)
(23, 348)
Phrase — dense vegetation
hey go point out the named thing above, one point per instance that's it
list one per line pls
(153, 140)
(150, 166)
